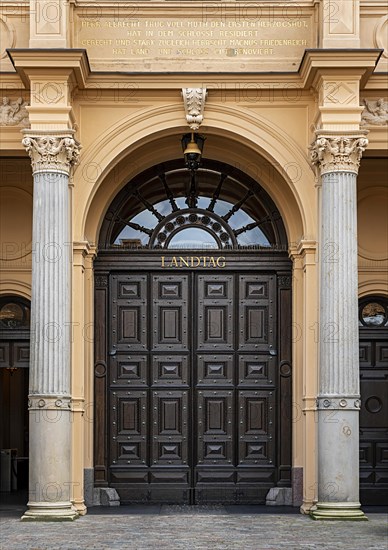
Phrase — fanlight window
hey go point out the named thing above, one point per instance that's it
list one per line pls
(192, 227)
(210, 209)
(14, 313)
(373, 312)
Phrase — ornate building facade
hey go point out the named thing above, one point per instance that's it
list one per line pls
(200, 327)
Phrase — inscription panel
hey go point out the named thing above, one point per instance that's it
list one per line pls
(242, 36)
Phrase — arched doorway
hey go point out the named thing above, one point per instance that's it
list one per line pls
(373, 320)
(14, 371)
(193, 339)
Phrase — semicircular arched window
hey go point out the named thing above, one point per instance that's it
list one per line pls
(211, 209)
(14, 313)
(373, 312)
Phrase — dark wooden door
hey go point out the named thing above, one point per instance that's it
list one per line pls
(193, 386)
(374, 416)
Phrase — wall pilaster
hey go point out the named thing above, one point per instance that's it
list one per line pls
(82, 339)
(305, 347)
(340, 24)
(49, 23)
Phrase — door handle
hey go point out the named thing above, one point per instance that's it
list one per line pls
(112, 352)
(273, 352)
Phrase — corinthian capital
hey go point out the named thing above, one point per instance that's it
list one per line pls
(52, 152)
(338, 153)
(194, 102)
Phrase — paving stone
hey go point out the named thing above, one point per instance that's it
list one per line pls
(207, 530)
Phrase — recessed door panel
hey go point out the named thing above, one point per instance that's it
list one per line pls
(169, 313)
(128, 313)
(256, 313)
(215, 330)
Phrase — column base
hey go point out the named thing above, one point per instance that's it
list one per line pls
(338, 511)
(50, 511)
(307, 507)
(80, 507)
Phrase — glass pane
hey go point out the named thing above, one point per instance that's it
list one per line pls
(222, 207)
(239, 219)
(145, 218)
(373, 314)
(11, 315)
(193, 238)
(253, 237)
(132, 238)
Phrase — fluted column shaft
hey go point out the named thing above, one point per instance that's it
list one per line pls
(338, 401)
(49, 391)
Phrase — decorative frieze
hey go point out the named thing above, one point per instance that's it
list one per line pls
(338, 403)
(14, 113)
(194, 102)
(375, 112)
(52, 153)
(49, 402)
(338, 153)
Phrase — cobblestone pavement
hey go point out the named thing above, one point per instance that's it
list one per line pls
(167, 527)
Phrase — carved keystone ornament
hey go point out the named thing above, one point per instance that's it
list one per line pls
(194, 103)
(333, 153)
(52, 153)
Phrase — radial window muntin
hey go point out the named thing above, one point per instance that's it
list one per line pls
(162, 202)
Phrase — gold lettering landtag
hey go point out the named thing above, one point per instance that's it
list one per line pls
(193, 261)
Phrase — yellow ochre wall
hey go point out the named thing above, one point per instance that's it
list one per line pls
(253, 122)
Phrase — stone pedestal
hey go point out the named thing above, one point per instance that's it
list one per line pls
(49, 392)
(338, 158)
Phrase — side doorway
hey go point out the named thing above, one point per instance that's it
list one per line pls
(373, 319)
(14, 375)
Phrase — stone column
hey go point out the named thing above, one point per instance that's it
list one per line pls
(52, 156)
(337, 158)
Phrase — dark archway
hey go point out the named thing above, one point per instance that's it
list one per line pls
(14, 373)
(373, 321)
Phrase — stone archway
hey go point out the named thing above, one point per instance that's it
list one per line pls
(193, 352)
(293, 196)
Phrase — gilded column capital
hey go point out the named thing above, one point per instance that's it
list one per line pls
(194, 103)
(52, 152)
(338, 153)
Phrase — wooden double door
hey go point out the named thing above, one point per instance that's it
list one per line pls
(374, 416)
(194, 402)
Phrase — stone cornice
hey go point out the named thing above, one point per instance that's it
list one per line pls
(338, 62)
(85, 248)
(51, 152)
(304, 246)
(72, 62)
(28, 61)
(337, 152)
